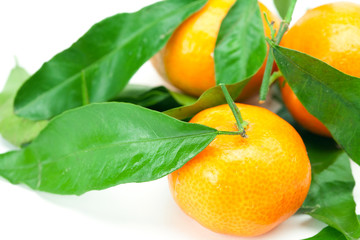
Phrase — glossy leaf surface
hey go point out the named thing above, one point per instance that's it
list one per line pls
(329, 233)
(240, 48)
(210, 98)
(330, 95)
(99, 65)
(156, 98)
(102, 145)
(330, 198)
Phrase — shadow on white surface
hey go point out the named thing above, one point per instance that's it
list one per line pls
(124, 204)
(150, 205)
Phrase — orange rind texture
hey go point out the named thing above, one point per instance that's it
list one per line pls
(187, 61)
(330, 33)
(244, 186)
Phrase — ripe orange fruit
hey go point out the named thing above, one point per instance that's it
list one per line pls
(244, 186)
(330, 33)
(187, 60)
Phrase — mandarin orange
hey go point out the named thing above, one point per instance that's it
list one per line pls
(330, 33)
(244, 186)
(187, 60)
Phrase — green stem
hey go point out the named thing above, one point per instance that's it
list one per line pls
(241, 124)
(290, 11)
(266, 78)
(275, 76)
(85, 93)
(271, 26)
(284, 26)
(229, 133)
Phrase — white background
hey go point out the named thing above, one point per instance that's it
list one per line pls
(34, 31)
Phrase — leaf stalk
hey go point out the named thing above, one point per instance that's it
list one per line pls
(241, 124)
(284, 26)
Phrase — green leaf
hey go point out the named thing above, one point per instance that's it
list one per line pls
(183, 99)
(329, 233)
(330, 197)
(99, 65)
(101, 145)
(15, 129)
(282, 7)
(330, 95)
(210, 98)
(156, 98)
(240, 48)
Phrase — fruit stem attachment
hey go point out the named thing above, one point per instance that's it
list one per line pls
(229, 133)
(241, 124)
(284, 26)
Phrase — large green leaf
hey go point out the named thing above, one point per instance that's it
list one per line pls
(156, 98)
(330, 95)
(102, 145)
(329, 233)
(240, 48)
(100, 64)
(330, 197)
(210, 98)
(15, 129)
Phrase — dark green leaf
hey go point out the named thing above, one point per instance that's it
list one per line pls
(102, 145)
(282, 7)
(329, 233)
(240, 48)
(157, 98)
(210, 98)
(330, 95)
(330, 198)
(99, 65)
(15, 129)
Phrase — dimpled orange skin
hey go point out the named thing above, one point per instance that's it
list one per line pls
(239, 186)
(187, 60)
(330, 33)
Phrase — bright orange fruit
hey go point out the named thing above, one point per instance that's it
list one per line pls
(187, 60)
(244, 186)
(330, 33)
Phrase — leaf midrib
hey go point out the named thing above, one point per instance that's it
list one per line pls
(337, 96)
(119, 143)
(40, 164)
(249, 16)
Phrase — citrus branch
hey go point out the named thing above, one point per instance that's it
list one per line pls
(229, 133)
(241, 124)
(284, 26)
(271, 26)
